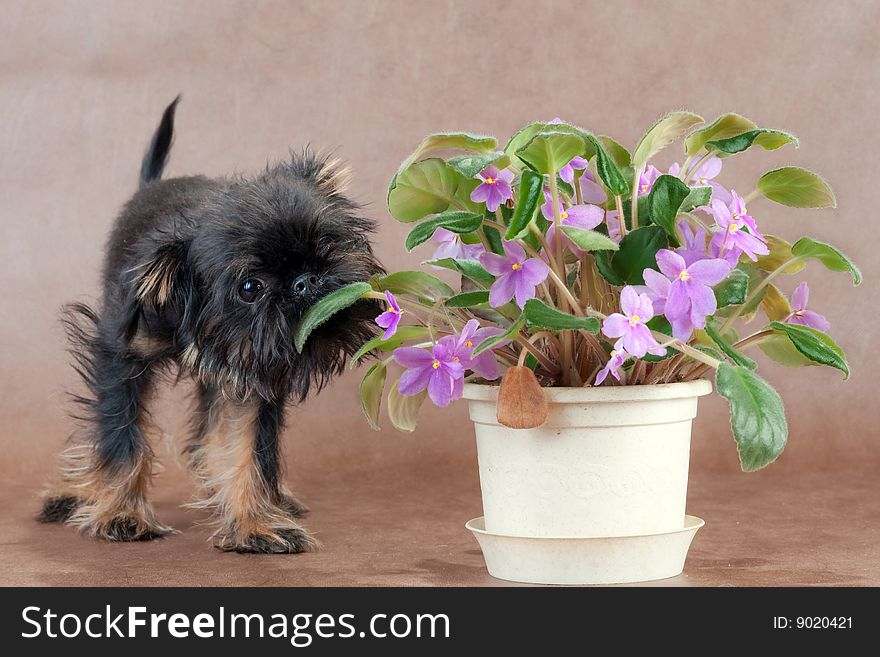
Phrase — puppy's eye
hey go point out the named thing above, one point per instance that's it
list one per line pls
(250, 289)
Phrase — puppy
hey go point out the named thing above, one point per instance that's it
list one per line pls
(212, 275)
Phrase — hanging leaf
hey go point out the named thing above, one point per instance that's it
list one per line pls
(665, 131)
(468, 299)
(529, 195)
(728, 349)
(757, 416)
(618, 153)
(607, 169)
(551, 149)
(726, 125)
(469, 268)
(637, 252)
(780, 253)
(732, 290)
(403, 333)
(418, 283)
(429, 187)
(521, 402)
(403, 412)
(371, 389)
(831, 257)
(540, 315)
(454, 221)
(664, 200)
(589, 240)
(325, 309)
(767, 139)
(815, 345)
(797, 188)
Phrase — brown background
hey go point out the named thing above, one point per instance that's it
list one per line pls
(82, 85)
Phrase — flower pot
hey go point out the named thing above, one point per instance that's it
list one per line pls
(610, 462)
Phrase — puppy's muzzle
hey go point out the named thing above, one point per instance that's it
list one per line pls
(305, 286)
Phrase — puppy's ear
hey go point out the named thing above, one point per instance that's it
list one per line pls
(161, 283)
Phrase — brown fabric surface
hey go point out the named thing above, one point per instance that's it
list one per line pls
(82, 85)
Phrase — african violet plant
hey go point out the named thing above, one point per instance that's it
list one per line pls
(584, 265)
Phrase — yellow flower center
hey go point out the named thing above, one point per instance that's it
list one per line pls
(516, 266)
(633, 320)
(394, 310)
(684, 276)
(613, 353)
(468, 344)
(490, 181)
(563, 215)
(436, 364)
(732, 228)
(798, 313)
(455, 358)
(702, 180)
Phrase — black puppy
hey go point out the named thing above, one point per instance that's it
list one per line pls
(213, 275)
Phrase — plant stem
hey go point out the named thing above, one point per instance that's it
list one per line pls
(754, 338)
(549, 365)
(620, 218)
(697, 164)
(634, 201)
(684, 167)
(751, 196)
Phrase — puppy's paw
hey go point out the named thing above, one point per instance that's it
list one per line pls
(130, 529)
(59, 508)
(292, 506)
(285, 540)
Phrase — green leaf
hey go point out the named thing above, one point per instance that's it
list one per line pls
(732, 290)
(403, 412)
(418, 283)
(618, 153)
(454, 221)
(494, 239)
(664, 200)
(807, 247)
(528, 197)
(756, 277)
(403, 333)
(757, 416)
(697, 196)
(468, 299)
(815, 345)
(767, 139)
(607, 169)
(637, 252)
(589, 240)
(468, 268)
(429, 187)
(488, 343)
(470, 165)
(665, 131)
(731, 353)
(778, 348)
(325, 309)
(797, 188)
(726, 125)
(371, 389)
(551, 149)
(780, 253)
(520, 139)
(447, 141)
(539, 314)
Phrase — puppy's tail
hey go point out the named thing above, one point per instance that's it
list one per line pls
(160, 146)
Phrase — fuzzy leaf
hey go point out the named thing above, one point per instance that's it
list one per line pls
(403, 333)
(732, 290)
(618, 153)
(637, 252)
(551, 149)
(539, 314)
(454, 221)
(697, 196)
(607, 169)
(780, 253)
(417, 283)
(664, 200)
(468, 268)
(833, 259)
(757, 416)
(371, 388)
(429, 187)
(775, 305)
(797, 188)
(520, 139)
(665, 131)
(767, 139)
(325, 309)
(726, 125)
(403, 412)
(728, 350)
(447, 141)
(528, 197)
(489, 343)
(815, 345)
(470, 165)
(589, 240)
(468, 299)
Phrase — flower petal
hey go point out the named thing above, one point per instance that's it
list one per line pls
(670, 263)
(496, 264)
(524, 290)
(584, 216)
(629, 301)
(514, 250)
(678, 303)
(481, 193)
(440, 386)
(534, 271)
(413, 357)
(709, 272)
(502, 290)
(412, 382)
(800, 297)
(615, 325)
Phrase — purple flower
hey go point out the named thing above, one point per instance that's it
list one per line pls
(517, 275)
(703, 176)
(451, 246)
(732, 241)
(694, 243)
(635, 337)
(495, 188)
(567, 172)
(613, 225)
(690, 299)
(646, 180)
(438, 370)
(391, 317)
(579, 216)
(470, 337)
(800, 314)
(612, 367)
(656, 287)
(591, 191)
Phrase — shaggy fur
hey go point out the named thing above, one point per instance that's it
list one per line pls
(212, 275)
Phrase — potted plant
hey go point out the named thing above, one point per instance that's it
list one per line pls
(603, 295)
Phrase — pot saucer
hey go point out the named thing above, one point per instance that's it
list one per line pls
(593, 560)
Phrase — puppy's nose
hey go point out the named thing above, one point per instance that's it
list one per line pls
(304, 284)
